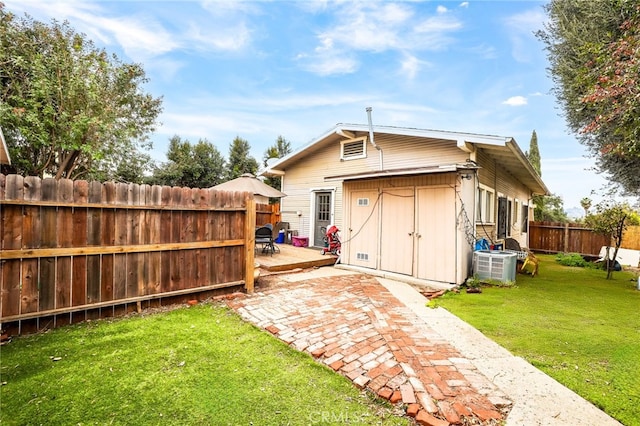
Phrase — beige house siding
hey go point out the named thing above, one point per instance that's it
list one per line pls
(406, 152)
(299, 184)
(310, 172)
(504, 185)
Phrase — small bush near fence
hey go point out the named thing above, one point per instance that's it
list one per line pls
(573, 259)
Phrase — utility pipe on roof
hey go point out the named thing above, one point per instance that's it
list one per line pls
(371, 137)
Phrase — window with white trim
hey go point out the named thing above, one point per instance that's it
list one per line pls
(484, 204)
(352, 149)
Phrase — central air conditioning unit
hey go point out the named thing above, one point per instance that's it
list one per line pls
(495, 265)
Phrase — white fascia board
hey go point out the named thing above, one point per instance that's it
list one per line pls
(432, 134)
(4, 146)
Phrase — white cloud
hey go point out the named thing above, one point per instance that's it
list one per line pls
(373, 27)
(441, 9)
(138, 39)
(411, 66)
(464, 4)
(438, 25)
(515, 101)
(143, 37)
(231, 38)
(485, 51)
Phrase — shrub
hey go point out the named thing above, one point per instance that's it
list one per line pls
(572, 259)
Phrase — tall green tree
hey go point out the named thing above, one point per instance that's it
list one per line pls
(548, 207)
(67, 108)
(533, 154)
(195, 166)
(279, 149)
(240, 161)
(594, 53)
(611, 219)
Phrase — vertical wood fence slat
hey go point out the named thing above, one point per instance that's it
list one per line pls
(79, 263)
(94, 239)
(12, 218)
(65, 239)
(153, 223)
(31, 233)
(47, 275)
(249, 235)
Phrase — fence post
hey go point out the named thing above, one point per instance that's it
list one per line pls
(565, 245)
(249, 243)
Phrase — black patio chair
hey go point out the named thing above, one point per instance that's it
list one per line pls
(264, 237)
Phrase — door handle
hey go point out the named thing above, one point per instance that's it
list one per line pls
(410, 233)
(418, 235)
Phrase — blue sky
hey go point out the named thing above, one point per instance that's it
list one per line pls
(260, 69)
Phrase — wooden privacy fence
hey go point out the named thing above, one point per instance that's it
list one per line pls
(72, 246)
(557, 237)
(267, 213)
(631, 238)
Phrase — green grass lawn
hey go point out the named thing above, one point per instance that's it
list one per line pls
(571, 323)
(197, 365)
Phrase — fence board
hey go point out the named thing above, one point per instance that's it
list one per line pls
(47, 265)
(12, 237)
(155, 258)
(29, 296)
(47, 283)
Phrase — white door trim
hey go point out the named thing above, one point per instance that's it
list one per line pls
(312, 209)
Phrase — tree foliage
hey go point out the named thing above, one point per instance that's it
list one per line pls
(594, 53)
(67, 108)
(240, 162)
(533, 154)
(611, 219)
(279, 149)
(549, 208)
(194, 166)
(586, 205)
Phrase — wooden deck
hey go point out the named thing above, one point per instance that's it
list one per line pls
(291, 257)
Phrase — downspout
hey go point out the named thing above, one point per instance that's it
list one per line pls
(371, 137)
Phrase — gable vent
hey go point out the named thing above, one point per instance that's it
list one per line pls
(353, 148)
(362, 256)
(363, 202)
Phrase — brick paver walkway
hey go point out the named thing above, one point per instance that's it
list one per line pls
(355, 326)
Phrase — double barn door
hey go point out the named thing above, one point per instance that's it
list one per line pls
(409, 231)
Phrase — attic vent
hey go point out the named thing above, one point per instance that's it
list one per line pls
(353, 148)
(362, 256)
(363, 202)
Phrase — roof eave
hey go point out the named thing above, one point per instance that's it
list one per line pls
(513, 146)
(5, 158)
